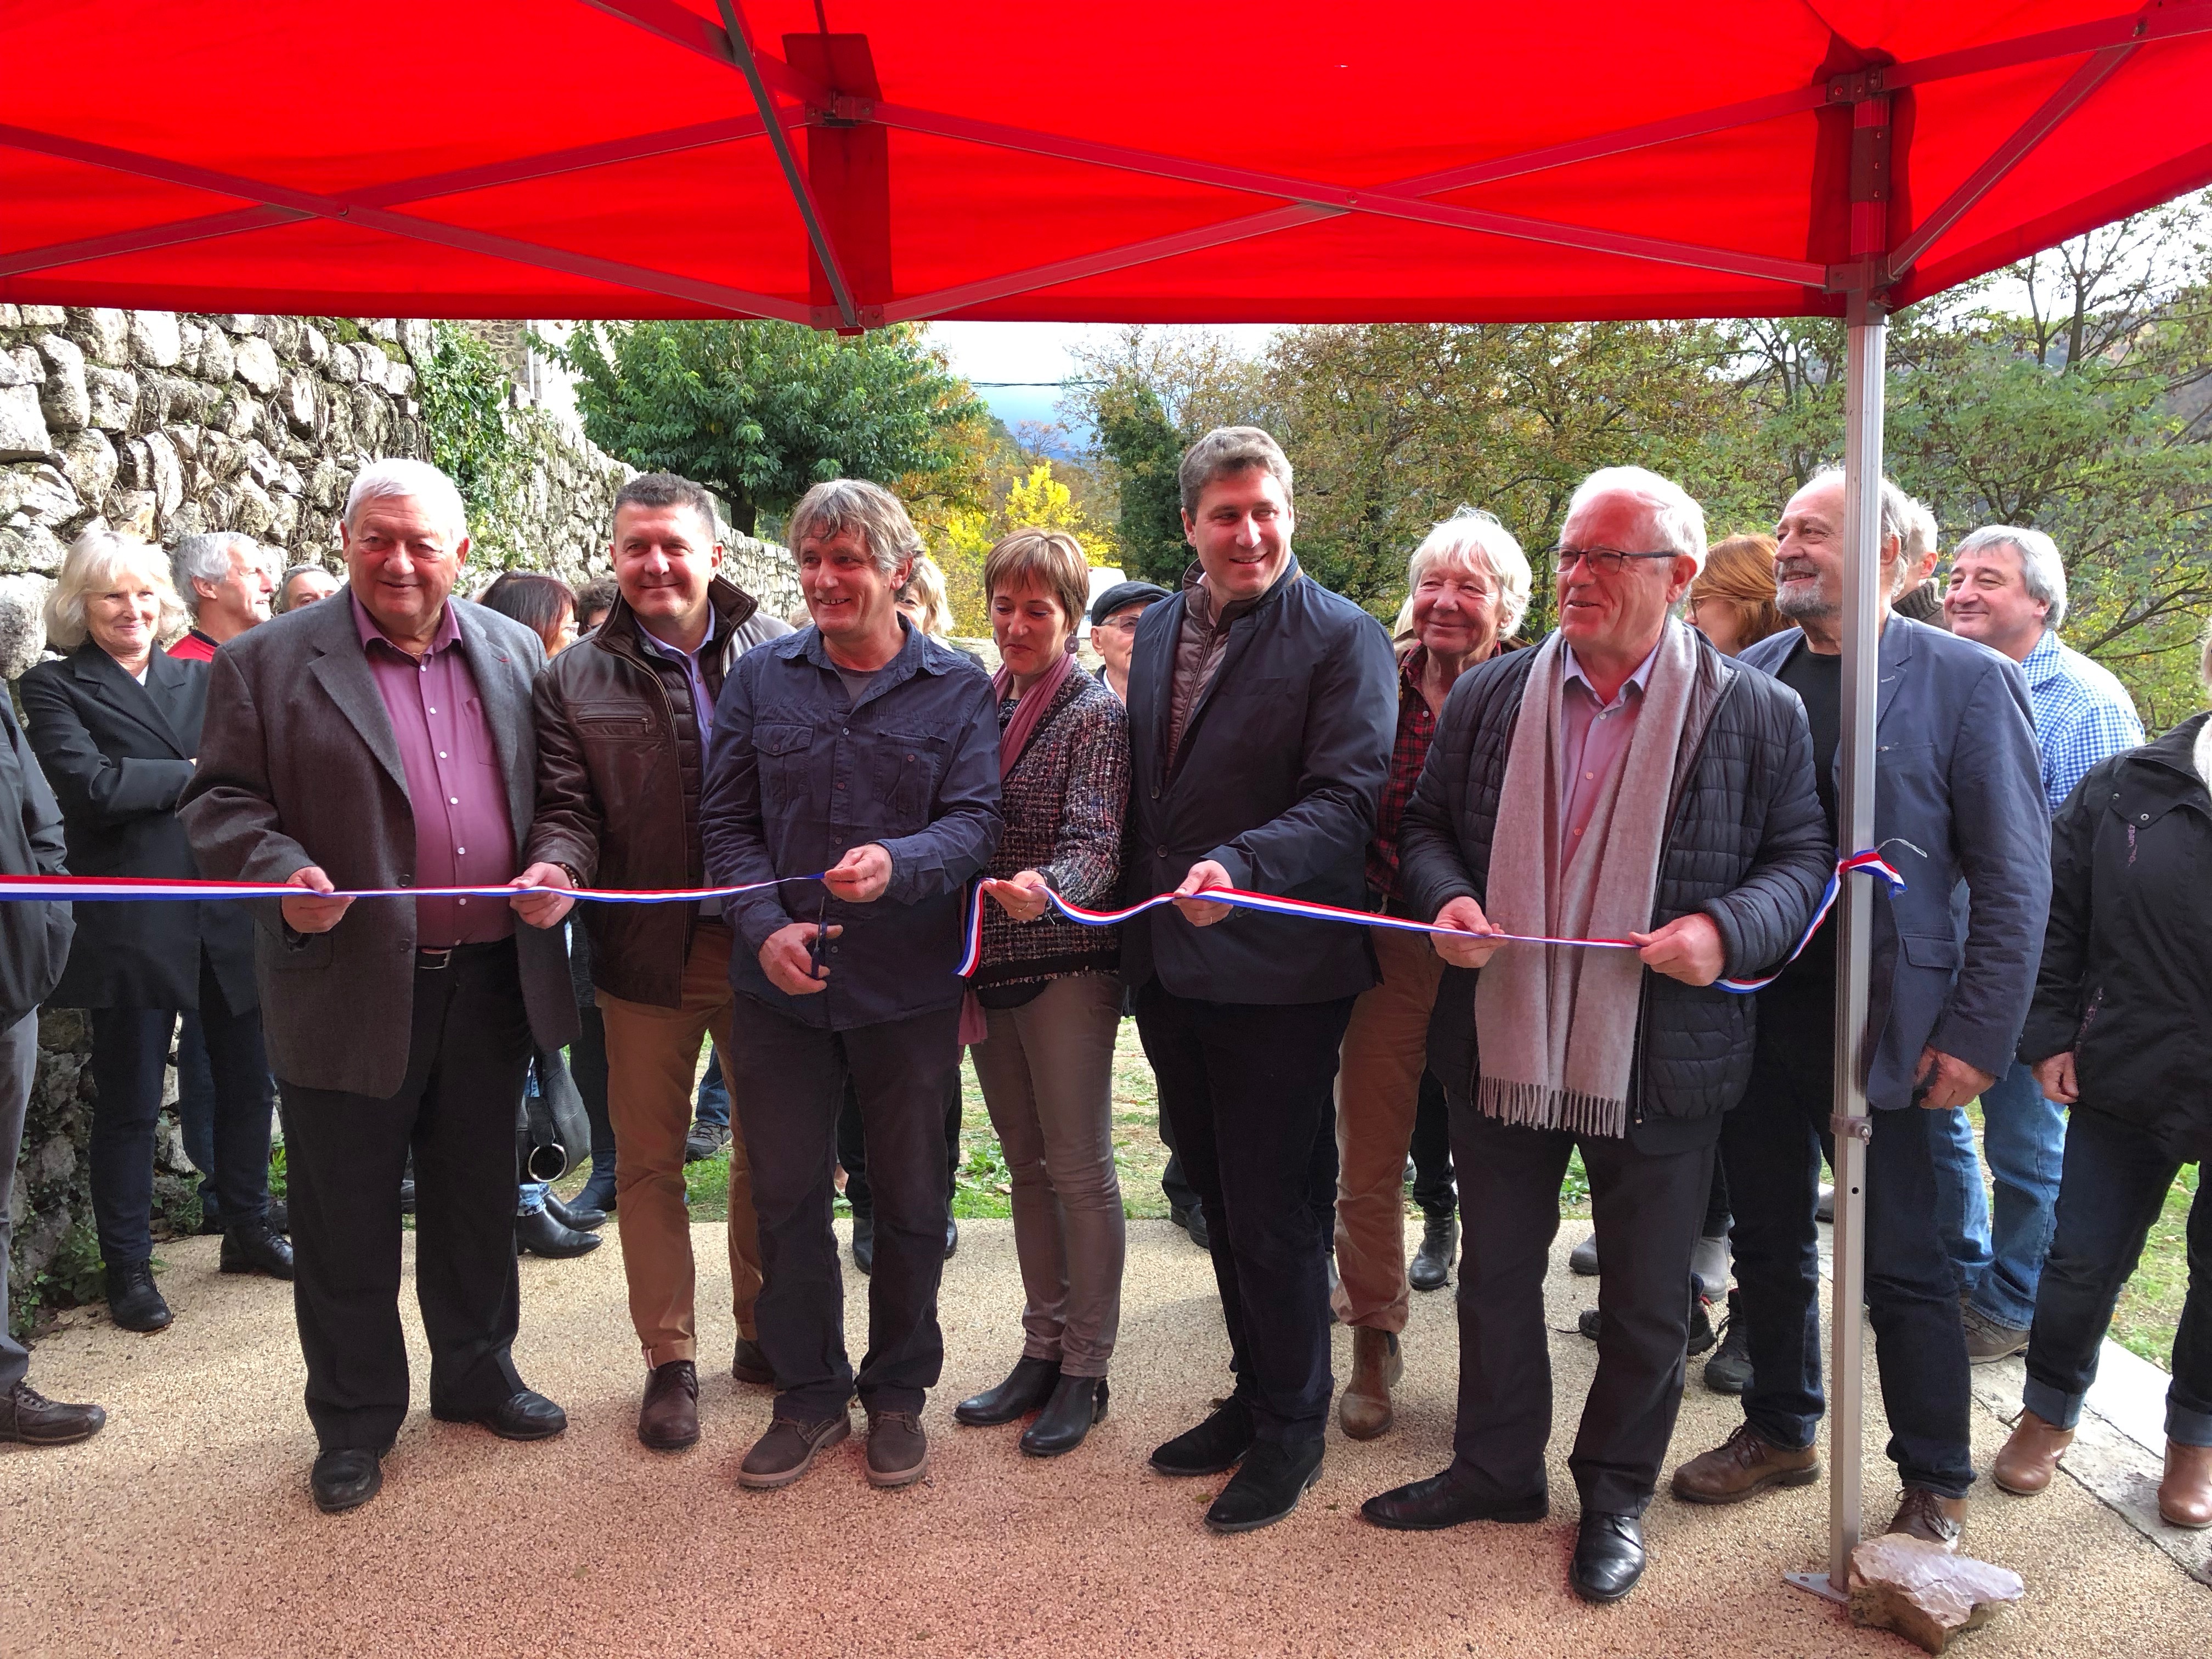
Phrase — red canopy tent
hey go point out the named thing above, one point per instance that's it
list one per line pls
(850, 163)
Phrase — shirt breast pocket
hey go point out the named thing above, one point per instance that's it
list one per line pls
(783, 753)
(906, 769)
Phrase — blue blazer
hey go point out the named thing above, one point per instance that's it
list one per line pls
(1959, 810)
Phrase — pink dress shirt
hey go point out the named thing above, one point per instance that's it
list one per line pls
(1593, 740)
(463, 835)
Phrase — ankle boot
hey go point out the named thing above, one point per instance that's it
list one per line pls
(1432, 1268)
(133, 1302)
(1077, 1402)
(2030, 1457)
(1027, 1387)
(1377, 1364)
(2184, 1496)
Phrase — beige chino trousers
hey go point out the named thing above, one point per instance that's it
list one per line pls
(653, 1056)
(1378, 1091)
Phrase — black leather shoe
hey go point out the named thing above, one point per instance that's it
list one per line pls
(29, 1419)
(1441, 1501)
(577, 1218)
(345, 1477)
(255, 1249)
(279, 1217)
(1217, 1443)
(1590, 1321)
(1026, 1388)
(749, 1364)
(951, 1237)
(133, 1302)
(1077, 1402)
(1608, 1557)
(864, 1242)
(1432, 1268)
(523, 1415)
(1274, 1476)
(1193, 1221)
(539, 1234)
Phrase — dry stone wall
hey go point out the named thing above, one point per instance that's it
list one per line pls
(163, 425)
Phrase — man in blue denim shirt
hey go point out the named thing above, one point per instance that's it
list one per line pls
(865, 748)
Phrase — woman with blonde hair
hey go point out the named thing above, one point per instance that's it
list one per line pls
(1048, 991)
(1732, 601)
(116, 726)
(922, 600)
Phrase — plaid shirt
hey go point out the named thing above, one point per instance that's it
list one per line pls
(1417, 729)
(2082, 715)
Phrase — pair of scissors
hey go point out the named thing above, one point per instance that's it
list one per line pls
(814, 944)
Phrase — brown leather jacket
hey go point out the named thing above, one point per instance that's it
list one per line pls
(619, 763)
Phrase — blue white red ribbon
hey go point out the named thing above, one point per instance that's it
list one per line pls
(1866, 863)
(141, 889)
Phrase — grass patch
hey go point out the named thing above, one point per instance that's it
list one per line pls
(2150, 1306)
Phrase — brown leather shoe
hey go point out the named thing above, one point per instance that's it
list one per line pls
(1930, 1518)
(2031, 1457)
(899, 1449)
(2184, 1495)
(669, 1418)
(786, 1450)
(29, 1419)
(1742, 1466)
(1376, 1366)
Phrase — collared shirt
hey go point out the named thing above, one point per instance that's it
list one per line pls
(1409, 750)
(1593, 739)
(2083, 714)
(455, 786)
(703, 701)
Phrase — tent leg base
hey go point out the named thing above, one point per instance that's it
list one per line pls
(1817, 1584)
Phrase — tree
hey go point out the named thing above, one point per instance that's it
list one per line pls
(759, 411)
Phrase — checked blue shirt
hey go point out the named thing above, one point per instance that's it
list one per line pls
(2083, 714)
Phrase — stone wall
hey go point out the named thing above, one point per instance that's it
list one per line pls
(163, 425)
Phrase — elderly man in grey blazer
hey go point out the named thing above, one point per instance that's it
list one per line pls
(1958, 809)
(384, 740)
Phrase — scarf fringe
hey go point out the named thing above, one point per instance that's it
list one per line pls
(1538, 1106)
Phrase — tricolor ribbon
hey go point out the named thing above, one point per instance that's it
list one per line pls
(1866, 863)
(79, 889)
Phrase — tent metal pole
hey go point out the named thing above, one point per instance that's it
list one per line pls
(1863, 471)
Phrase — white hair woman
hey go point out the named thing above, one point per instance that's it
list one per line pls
(922, 600)
(116, 726)
(1469, 585)
(1048, 992)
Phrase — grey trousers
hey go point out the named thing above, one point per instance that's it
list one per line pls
(1046, 1072)
(19, 1063)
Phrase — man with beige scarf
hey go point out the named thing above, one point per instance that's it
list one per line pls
(1622, 782)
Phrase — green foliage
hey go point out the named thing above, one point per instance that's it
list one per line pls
(758, 412)
(465, 394)
(1134, 431)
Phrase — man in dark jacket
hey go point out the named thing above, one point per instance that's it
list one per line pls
(1262, 709)
(1622, 781)
(622, 722)
(1958, 803)
(34, 943)
(862, 748)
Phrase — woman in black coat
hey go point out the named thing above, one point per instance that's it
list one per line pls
(2118, 1033)
(116, 726)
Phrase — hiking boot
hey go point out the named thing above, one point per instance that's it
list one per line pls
(704, 1141)
(1742, 1466)
(786, 1450)
(2031, 1456)
(1728, 1369)
(1930, 1518)
(1987, 1340)
(669, 1418)
(133, 1301)
(255, 1248)
(1363, 1412)
(899, 1449)
(1432, 1268)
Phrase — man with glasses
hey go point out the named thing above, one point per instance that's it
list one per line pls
(1959, 808)
(1622, 781)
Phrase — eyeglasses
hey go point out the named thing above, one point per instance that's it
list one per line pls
(1607, 560)
(1121, 625)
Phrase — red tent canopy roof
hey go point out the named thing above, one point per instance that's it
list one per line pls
(1250, 160)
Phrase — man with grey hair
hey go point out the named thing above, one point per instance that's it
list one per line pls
(383, 740)
(1920, 593)
(2007, 591)
(224, 582)
(1622, 781)
(300, 585)
(1260, 725)
(862, 747)
(1958, 810)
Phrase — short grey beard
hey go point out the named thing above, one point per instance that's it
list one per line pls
(1814, 609)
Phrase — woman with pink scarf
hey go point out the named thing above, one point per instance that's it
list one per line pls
(1045, 999)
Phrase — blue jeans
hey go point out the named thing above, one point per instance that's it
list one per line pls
(2116, 1179)
(713, 1105)
(2024, 1137)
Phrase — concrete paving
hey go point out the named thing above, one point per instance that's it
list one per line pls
(187, 1525)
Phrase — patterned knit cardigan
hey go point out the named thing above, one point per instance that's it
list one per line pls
(1063, 804)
